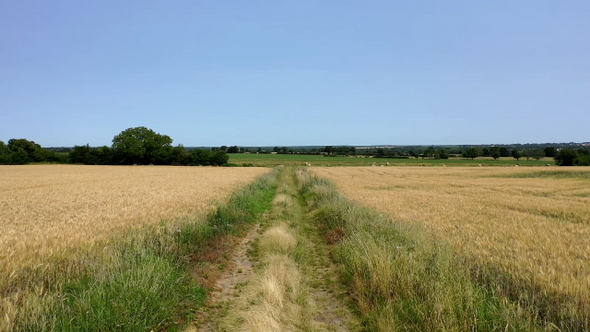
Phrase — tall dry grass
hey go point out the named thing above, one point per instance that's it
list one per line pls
(526, 232)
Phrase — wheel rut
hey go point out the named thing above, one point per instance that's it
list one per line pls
(329, 297)
(237, 270)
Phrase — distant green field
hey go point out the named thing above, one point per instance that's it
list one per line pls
(318, 160)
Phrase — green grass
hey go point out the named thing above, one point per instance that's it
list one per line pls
(549, 174)
(147, 291)
(245, 206)
(319, 160)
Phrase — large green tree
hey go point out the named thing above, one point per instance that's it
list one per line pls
(141, 145)
(442, 154)
(570, 157)
(24, 151)
(583, 157)
(566, 157)
(516, 154)
(471, 153)
(550, 151)
(537, 154)
(495, 152)
(5, 154)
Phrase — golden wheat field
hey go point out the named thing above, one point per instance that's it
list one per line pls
(533, 223)
(49, 208)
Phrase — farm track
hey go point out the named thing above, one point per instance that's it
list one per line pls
(330, 304)
(239, 301)
(237, 270)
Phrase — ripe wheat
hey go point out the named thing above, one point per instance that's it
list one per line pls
(529, 225)
(47, 209)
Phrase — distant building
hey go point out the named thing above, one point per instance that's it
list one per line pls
(376, 147)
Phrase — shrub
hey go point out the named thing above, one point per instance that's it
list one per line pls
(566, 157)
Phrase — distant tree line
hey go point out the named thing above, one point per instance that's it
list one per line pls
(516, 151)
(331, 151)
(143, 146)
(562, 156)
(340, 150)
(22, 151)
(133, 146)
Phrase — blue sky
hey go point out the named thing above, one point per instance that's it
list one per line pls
(210, 73)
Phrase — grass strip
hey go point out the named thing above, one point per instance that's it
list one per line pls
(570, 174)
(137, 281)
(273, 300)
(402, 278)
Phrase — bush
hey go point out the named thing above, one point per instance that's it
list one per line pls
(207, 158)
(582, 160)
(566, 157)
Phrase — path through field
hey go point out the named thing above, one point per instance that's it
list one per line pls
(279, 277)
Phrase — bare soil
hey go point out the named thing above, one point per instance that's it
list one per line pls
(224, 277)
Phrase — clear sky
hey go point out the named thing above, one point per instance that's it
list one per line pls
(305, 72)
